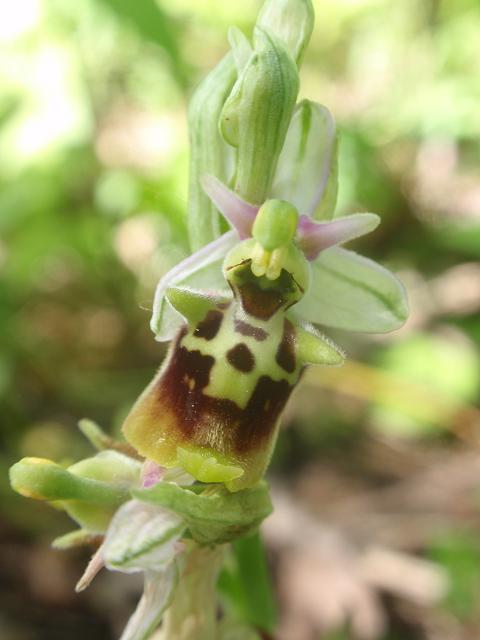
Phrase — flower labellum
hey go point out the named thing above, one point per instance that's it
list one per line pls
(214, 406)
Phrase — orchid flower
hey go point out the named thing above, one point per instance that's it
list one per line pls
(240, 310)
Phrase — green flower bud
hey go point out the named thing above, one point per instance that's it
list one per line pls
(257, 113)
(90, 491)
(290, 20)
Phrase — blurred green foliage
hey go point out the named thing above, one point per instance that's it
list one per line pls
(93, 179)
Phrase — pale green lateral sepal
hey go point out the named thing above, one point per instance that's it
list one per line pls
(307, 173)
(215, 515)
(292, 21)
(353, 293)
(208, 151)
(256, 115)
(192, 304)
(314, 348)
(202, 270)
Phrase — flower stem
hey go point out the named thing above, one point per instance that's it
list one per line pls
(192, 614)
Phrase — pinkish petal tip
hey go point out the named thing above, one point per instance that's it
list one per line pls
(94, 566)
(152, 474)
(313, 237)
(240, 214)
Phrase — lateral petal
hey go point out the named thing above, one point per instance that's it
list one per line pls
(313, 237)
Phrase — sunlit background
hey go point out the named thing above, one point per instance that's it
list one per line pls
(376, 478)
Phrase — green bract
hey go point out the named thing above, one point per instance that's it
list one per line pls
(212, 515)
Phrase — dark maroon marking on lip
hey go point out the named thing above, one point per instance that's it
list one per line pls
(181, 387)
(260, 303)
(210, 325)
(285, 356)
(204, 421)
(241, 358)
(260, 416)
(246, 329)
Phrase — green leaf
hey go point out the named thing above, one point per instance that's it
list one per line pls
(351, 292)
(215, 515)
(307, 173)
(254, 577)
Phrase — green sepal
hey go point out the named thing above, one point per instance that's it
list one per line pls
(353, 293)
(307, 172)
(215, 515)
(208, 151)
(290, 20)
(256, 115)
(192, 304)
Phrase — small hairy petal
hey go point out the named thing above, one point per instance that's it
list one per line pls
(239, 213)
(313, 237)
